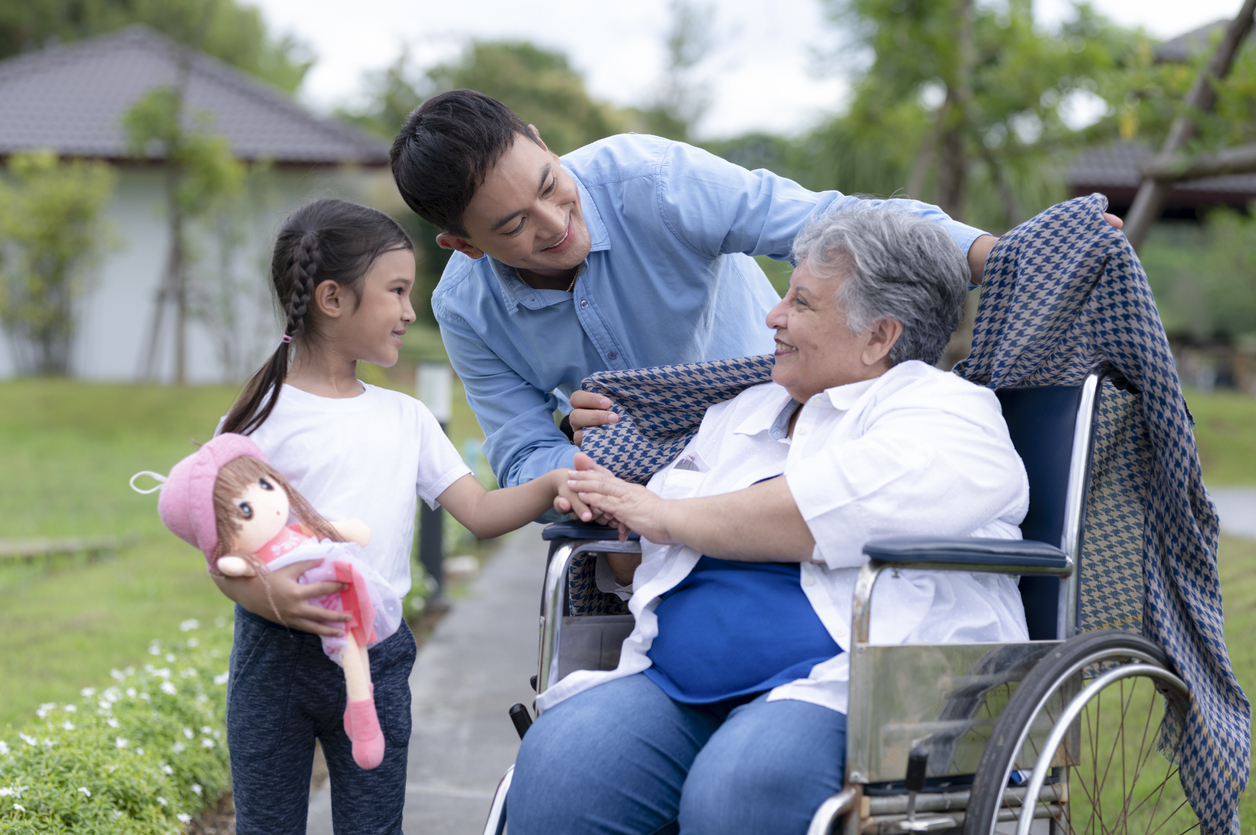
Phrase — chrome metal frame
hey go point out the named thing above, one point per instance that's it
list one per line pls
(496, 823)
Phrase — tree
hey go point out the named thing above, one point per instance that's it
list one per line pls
(51, 235)
(681, 100)
(226, 29)
(965, 104)
(200, 174)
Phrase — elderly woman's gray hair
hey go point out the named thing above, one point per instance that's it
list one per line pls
(896, 266)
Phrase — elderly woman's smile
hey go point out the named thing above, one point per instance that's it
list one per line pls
(816, 349)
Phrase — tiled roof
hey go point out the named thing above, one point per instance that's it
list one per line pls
(1119, 165)
(72, 99)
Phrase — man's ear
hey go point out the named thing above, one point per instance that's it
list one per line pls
(536, 134)
(330, 299)
(885, 332)
(447, 240)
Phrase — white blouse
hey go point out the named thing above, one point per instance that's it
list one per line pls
(916, 451)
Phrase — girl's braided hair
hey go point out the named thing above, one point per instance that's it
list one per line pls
(327, 240)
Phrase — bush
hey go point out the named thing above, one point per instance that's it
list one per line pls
(141, 755)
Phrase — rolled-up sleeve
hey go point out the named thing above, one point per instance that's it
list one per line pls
(914, 469)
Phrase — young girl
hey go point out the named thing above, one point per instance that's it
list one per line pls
(343, 274)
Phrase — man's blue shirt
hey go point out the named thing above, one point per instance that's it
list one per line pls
(670, 279)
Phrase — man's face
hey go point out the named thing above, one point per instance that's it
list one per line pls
(526, 214)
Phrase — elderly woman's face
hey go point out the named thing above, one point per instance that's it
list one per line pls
(815, 348)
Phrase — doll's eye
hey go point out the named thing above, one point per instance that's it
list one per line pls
(264, 484)
(246, 510)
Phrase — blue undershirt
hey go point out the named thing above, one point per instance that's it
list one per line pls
(735, 628)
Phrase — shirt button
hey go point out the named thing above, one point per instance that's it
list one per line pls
(810, 581)
(584, 303)
(613, 355)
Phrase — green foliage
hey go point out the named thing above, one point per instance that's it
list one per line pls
(141, 755)
(926, 113)
(1204, 276)
(51, 234)
(226, 29)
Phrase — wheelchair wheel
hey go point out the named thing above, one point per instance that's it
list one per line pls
(1109, 768)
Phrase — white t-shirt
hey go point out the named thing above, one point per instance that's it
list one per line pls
(363, 457)
(914, 451)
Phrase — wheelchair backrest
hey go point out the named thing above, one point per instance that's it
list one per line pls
(1051, 429)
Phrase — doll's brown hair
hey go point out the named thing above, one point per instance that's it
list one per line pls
(234, 478)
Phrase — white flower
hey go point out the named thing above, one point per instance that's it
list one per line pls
(68, 725)
(42, 713)
(19, 807)
(154, 647)
(222, 678)
(13, 791)
(29, 740)
(206, 729)
(129, 671)
(4, 747)
(87, 692)
(196, 789)
(166, 770)
(189, 624)
(189, 672)
(111, 722)
(71, 708)
(122, 742)
(168, 688)
(194, 642)
(85, 790)
(162, 801)
(118, 674)
(117, 813)
(170, 657)
(184, 818)
(48, 706)
(164, 672)
(178, 748)
(145, 697)
(187, 732)
(201, 698)
(105, 705)
(207, 743)
(112, 694)
(130, 692)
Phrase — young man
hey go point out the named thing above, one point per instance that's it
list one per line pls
(631, 252)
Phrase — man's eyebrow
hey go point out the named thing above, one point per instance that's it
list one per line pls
(504, 219)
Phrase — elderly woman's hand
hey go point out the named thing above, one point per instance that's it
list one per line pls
(631, 506)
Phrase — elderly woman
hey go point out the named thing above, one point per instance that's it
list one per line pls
(727, 711)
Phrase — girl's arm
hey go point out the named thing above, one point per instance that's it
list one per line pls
(490, 513)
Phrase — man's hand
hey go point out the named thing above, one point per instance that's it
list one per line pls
(982, 247)
(589, 409)
(288, 601)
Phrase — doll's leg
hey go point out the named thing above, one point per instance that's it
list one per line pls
(363, 722)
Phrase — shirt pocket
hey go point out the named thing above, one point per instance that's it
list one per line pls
(681, 484)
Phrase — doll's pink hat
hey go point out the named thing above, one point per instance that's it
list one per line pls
(186, 505)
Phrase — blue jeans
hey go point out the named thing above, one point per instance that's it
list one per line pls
(624, 758)
(284, 693)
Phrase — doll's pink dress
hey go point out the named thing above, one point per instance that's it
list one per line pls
(375, 607)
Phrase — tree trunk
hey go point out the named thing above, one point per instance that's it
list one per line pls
(1154, 193)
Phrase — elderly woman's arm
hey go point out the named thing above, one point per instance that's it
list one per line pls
(758, 524)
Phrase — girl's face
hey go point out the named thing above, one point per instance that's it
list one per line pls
(261, 512)
(372, 330)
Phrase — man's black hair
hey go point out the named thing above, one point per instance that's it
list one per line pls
(446, 148)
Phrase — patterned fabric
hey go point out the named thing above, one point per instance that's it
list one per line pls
(661, 408)
(583, 595)
(1064, 293)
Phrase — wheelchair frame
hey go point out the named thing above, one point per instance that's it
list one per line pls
(994, 709)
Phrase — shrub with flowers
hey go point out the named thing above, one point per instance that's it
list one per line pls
(142, 754)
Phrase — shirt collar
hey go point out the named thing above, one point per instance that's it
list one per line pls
(515, 292)
(843, 398)
(778, 407)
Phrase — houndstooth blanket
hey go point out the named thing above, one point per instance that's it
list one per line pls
(1063, 294)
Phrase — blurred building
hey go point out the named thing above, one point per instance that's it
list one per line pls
(72, 99)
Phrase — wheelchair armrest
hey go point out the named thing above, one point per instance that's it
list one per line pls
(971, 553)
(582, 530)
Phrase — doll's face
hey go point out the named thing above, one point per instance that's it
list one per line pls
(261, 512)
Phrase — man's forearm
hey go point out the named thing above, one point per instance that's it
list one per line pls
(977, 255)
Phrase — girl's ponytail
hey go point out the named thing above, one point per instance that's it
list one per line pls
(327, 240)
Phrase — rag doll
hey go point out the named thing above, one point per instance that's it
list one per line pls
(228, 501)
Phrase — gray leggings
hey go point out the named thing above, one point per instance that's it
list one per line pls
(282, 695)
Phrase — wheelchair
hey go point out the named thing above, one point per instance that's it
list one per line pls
(1061, 733)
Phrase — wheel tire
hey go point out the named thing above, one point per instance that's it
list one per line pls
(1116, 777)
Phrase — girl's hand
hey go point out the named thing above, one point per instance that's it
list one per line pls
(567, 502)
(631, 505)
(288, 601)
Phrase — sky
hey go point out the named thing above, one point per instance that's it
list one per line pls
(764, 71)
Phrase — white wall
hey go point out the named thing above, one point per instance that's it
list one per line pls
(117, 311)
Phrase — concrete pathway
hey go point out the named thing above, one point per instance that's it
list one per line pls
(1237, 508)
(471, 670)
